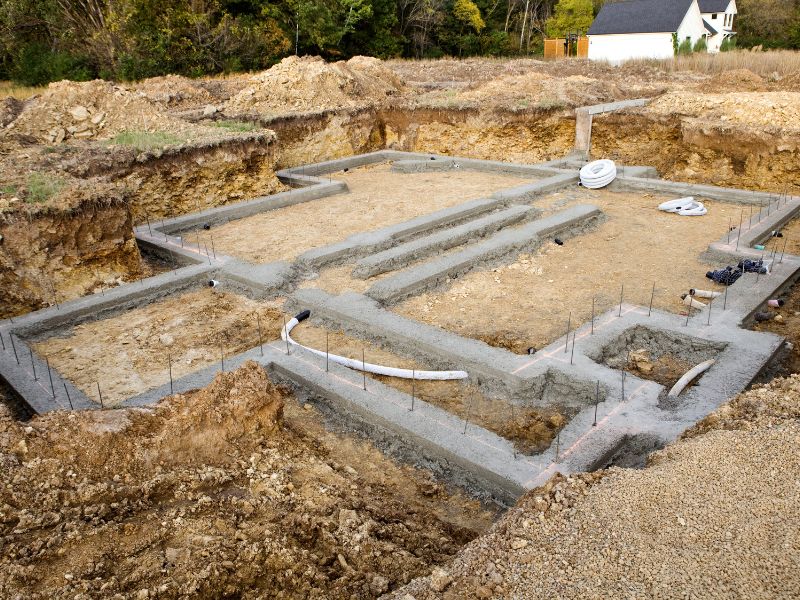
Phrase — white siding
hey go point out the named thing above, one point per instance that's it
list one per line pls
(620, 47)
(692, 26)
(723, 24)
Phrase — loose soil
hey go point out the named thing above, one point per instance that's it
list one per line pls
(715, 514)
(789, 243)
(786, 323)
(531, 430)
(129, 353)
(377, 198)
(527, 303)
(233, 490)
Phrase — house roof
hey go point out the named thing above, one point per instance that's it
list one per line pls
(709, 28)
(713, 6)
(640, 16)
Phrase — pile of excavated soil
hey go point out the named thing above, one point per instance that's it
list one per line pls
(229, 491)
(759, 109)
(713, 515)
(174, 91)
(534, 90)
(738, 80)
(310, 84)
(90, 110)
(101, 110)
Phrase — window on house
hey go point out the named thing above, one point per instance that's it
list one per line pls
(714, 16)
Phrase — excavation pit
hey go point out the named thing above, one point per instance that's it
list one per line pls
(660, 356)
(377, 198)
(530, 426)
(130, 353)
(526, 303)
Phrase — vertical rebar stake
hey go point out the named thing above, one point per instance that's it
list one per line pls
(364, 368)
(572, 354)
(327, 350)
(558, 444)
(50, 375)
(208, 254)
(569, 324)
(784, 249)
(466, 416)
(729, 230)
(710, 304)
(592, 321)
(286, 333)
(623, 386)
(596, 402)
(260, 339)
(621, 292)
(222, 357)
(33, 364)
(2, 341)
(739, 231)
(688, 312)
(66, 391)
(652, 295)
(760, 208)
(99, 393)
(13, 346)
(150, 229)
(750, 219)
(171, 389)
(213, 250)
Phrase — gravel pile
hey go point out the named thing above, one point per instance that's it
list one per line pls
(715, 515)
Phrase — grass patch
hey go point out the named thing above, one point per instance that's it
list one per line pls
(20, 92)
(765, 64)
(144, 140)
(42, 187)
(238, 126)
(9, 190)
(550, 103)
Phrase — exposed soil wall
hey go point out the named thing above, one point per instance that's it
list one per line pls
(71, 251)
(199, 178)
(692, 150)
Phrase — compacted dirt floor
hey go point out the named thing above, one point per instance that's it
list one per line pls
(377, 198)
(531, 430)
(131, 352)
(527, 303)
(235, 490)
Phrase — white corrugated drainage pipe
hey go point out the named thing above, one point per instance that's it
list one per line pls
(369, 367)
(598, 174)
(689, 376)
(686, 207)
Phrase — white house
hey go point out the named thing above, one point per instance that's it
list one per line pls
(646, 28)
(718, 19)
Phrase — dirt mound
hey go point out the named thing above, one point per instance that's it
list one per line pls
(174, 91)
(760, 109)
(215, 493)
(743, 80)
(91, 110)
(311, 84)
(719, 506)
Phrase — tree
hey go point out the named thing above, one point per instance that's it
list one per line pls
(571, 16)
(469, 15)
(701, 45)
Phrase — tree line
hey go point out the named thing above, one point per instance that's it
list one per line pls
(47, 40)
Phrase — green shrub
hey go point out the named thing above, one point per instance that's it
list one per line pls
(701, 45)
(685, 49)
(145, 140)
(37, 65)
(728, 44)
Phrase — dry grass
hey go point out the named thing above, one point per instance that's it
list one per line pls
(782, 62)
(20, 92)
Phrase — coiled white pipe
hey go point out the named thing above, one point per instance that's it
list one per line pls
(369, 367)
(598, 174)
(689, 376)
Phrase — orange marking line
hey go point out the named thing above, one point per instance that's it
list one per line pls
(601, 423)
(598, 325)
